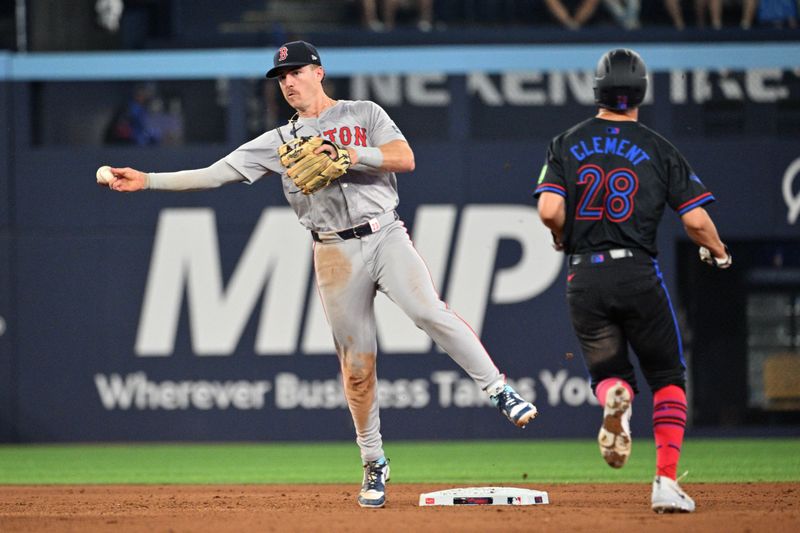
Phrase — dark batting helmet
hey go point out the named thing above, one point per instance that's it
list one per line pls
(620, 81)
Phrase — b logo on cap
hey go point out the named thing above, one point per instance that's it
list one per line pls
(283, 53)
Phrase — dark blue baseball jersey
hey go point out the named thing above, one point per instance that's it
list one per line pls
(617, 177)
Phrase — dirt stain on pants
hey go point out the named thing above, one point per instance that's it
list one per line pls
(360, 389)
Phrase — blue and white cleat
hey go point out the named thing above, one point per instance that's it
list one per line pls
(511, 404)
(373, 489)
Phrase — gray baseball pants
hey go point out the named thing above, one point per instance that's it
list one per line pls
(349, 274)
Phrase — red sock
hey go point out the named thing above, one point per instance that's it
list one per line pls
(669, 422)
(602, 388)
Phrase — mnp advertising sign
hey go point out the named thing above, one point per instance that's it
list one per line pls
(223, 336)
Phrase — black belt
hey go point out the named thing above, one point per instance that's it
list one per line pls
(596, 258)
(356, 232)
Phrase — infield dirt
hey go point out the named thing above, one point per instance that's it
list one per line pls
(747, 507)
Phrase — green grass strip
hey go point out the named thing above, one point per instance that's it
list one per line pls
(455, 462)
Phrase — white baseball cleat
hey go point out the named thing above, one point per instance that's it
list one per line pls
(615, 433)
(668, 497)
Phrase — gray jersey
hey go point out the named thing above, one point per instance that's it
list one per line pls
(361, 194)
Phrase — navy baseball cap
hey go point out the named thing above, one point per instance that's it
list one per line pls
(294, 54)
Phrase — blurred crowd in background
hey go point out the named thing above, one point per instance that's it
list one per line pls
(381, 15)
(38, 25)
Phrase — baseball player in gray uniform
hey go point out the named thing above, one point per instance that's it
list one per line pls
(360, 245)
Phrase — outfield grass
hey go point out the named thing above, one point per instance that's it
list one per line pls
(479, 462)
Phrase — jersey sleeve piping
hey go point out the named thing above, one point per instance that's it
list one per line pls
(550, 187)
(703, 199)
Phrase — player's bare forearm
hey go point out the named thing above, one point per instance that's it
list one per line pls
(701, 229)
(553, 212)
(395, 156)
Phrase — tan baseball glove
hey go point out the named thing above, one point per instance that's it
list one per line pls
(311, 171)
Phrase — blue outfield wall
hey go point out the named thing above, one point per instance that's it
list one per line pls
(193, 316)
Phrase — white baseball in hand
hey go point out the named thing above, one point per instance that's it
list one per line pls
(104, 175)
